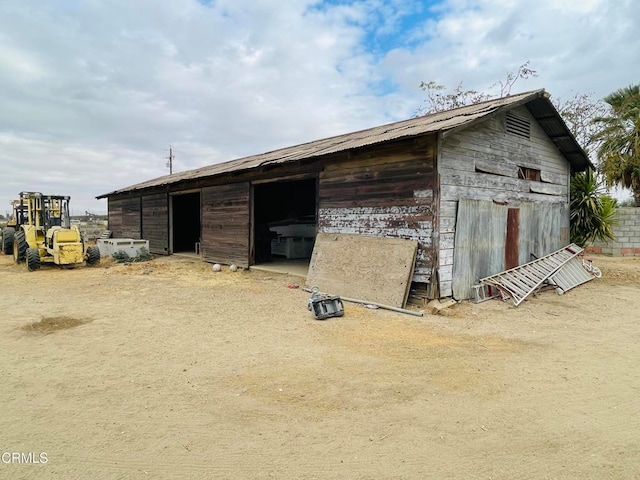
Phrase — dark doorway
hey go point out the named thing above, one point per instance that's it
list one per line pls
(284, 219)
(186, 222)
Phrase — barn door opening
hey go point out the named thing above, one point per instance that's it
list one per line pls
(284, 223)
(511, 250)
(185, 222)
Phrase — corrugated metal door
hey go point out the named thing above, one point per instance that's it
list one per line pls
(479, 250)
(225, 224)
(543, 229)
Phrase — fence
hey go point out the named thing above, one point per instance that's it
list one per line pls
(627, 235)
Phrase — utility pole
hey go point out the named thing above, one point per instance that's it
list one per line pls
(170, 162)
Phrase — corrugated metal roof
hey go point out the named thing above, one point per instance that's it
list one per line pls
(437, 122)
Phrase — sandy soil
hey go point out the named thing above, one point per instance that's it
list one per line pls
(169, 370)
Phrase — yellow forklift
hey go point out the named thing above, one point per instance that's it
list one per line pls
(47, 236)
(6, 234)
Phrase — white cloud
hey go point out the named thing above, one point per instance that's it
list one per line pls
(20, 63)
(574, 45)
(98, 90)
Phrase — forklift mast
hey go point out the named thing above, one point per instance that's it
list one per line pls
(45, 211)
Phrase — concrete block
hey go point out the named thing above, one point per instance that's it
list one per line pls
(131, 247)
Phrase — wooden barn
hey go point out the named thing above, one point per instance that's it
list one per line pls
(481, 188)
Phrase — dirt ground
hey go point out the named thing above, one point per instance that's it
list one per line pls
(169, 370)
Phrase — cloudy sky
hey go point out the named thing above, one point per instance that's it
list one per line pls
(93, 92)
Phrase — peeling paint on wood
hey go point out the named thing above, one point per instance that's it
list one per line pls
(387, 195)
(395, 222)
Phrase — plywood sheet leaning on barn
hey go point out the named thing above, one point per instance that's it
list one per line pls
(377, 269)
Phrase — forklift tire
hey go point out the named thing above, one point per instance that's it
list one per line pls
(33, 259)
(7, 240)
(93, 255)
(19, 247)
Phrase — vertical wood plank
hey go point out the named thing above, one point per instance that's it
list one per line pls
(155, 222)
(226, 223)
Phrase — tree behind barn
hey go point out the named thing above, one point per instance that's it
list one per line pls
(619, 134)
(592, 211)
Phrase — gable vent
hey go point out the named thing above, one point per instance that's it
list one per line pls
(517, 125)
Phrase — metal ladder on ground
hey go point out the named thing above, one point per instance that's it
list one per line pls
(523, 280)
(572, 274)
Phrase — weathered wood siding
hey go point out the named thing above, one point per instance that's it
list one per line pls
(225, 224)
(124, 217)
(387, 191)
(481, 163)
(155, 222)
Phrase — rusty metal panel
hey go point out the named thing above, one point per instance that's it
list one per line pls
(511, 250)
(155, 222)
(225, 224)
(481, 229)
(124, 217)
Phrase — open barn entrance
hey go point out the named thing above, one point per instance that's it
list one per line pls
(185, 222)
(284, 221)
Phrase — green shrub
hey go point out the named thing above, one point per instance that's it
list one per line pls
(124, 257)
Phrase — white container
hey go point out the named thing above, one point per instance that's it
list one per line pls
(109, 246)
(295, 230)
(292, 247)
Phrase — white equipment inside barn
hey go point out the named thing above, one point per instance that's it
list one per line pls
(294, 240)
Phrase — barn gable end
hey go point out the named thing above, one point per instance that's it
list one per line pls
(519, 170)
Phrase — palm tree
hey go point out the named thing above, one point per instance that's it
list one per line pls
(592, 212)
(619, 137)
